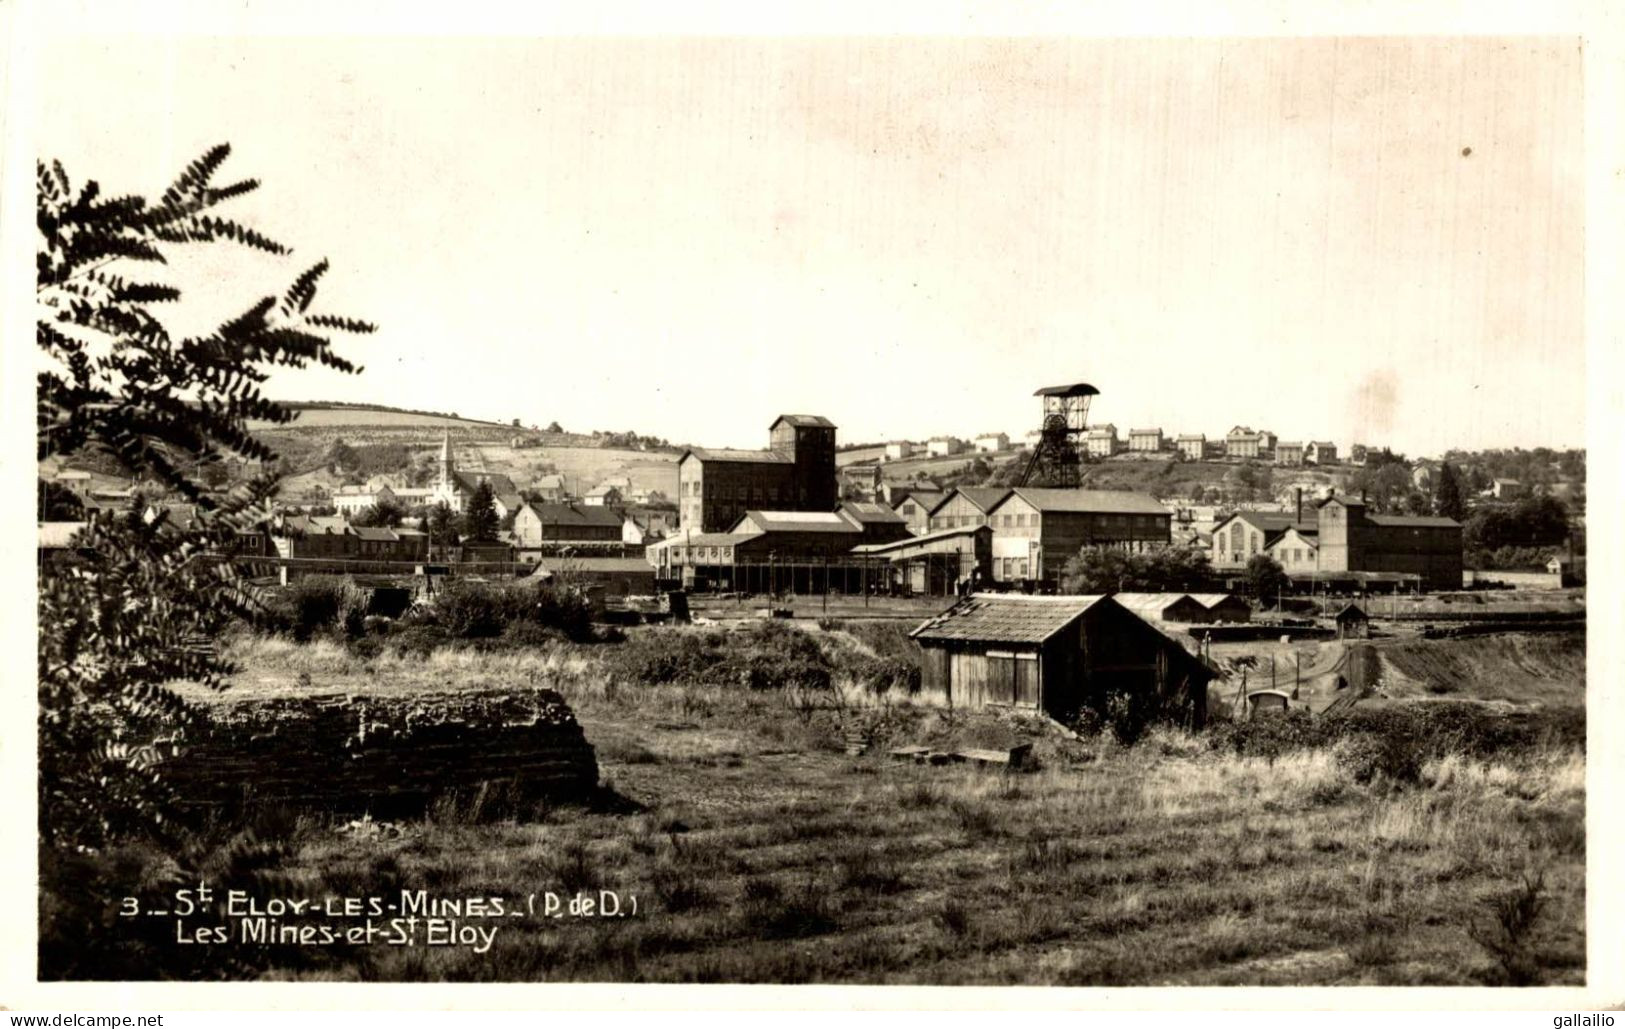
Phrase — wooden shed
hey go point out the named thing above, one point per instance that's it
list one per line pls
(1164, 607)
(1056, 654)
(1224, 607)
(1353, 623)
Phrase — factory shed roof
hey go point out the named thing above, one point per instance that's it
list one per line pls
(920, 540)
(984, 498)
(816, 421)
(737, 456)
(1414, 521)
(1004, 618)
(794, 521)
(1089, 501)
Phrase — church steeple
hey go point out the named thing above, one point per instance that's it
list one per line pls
(446, 469)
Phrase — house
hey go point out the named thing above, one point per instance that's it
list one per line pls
(603, 496)
(795, 473)
(497, 553)
(965, 506)
(549, 489)
(899, 450)
(1060, 655)
(1353, 623)
(1566, 571)
(644, 527)
(1193, 447)
(1288, 453)
(1035, 531)
(537, 525)
(73, 480)
(993, 443)
(914, 507)
(944, 446)
(1144, 441)
(1422, 476)
(1102, 441)
(1358, 453)
(893, 492)
(1508, 489)
(1244, 443)
(1321, 452)
(377, 543)
(938, 563)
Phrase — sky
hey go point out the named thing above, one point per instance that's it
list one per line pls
(1356, 239)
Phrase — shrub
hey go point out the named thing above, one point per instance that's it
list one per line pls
(318, 604)
(1509, 936)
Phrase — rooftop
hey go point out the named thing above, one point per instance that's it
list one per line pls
(923, 538)
(1076, 389)
(1005, 618)
(1090, 501)
(817, 421)
(868, 512)
(982, 497)
(739, 456)
(576, 514)
(796, 521)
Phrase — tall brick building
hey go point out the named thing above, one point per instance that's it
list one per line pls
(1353, 541)
(796, 473)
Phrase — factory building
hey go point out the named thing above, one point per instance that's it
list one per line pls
(1353, 541)
(796, 473)
(1035, 531)
(966, 506)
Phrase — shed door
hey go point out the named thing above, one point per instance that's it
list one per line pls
(1001, 677)
(1026, 680)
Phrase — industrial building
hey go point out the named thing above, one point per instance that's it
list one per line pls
(914, 507)
(1353, 541)
(1035, 531)
(1060, 655)
(937, 563)
(966, 506)
(796, 473)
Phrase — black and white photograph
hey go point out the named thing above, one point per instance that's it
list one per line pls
(963, 508)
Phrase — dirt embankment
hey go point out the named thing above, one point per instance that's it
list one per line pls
(1528, 669)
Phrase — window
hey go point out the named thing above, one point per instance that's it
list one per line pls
(1023, 568)
(1021, 520)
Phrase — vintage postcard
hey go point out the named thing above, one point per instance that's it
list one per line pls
(967, 501)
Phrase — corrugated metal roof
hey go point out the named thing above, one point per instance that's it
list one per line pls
(1000, 618)
(1090, 501)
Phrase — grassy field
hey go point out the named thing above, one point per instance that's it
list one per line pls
(758, 851)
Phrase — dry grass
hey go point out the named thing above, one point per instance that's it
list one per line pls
(762, 853)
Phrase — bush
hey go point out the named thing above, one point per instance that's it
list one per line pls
(320, 604)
